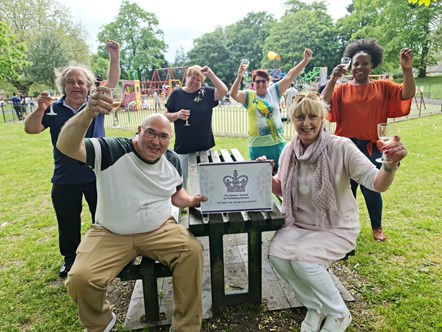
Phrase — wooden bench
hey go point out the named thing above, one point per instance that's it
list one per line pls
(214, 226)
(148, 271)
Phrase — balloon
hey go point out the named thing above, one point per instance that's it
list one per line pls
(273, 56)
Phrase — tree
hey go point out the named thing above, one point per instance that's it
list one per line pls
(12, 56)
(32, 21)
(142, 44)
(246, 38)
(304, 26)
(47, 54)
(211, 49)
(397, 25)
(180, 57)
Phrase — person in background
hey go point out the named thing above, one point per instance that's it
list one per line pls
(71, 180)
(98, 80)
(16, 104)
(360, 104)
(190, 108)
(288, 97)
(321, 214)
(139, 179)
(289, 94)
(157, 101)
(266, 135)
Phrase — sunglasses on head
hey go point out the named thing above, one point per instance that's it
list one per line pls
(310, 95)
(260, 81)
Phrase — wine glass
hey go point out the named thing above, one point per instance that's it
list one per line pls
(187, 120)
(385, 134)
(52, 94)
(245, 63)
(117, 97)
(346, 61)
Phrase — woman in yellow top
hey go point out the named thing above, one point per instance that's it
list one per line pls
(359, 105)
(266, 135)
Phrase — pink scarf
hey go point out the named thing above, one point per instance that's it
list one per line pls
(323, 193)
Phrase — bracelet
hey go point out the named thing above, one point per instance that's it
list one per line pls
(389, 169)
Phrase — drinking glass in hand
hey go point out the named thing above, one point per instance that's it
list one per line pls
(385, 134)
(245, 63)
(117, 97)
(346, 61)
(187, 119)
(52, 95)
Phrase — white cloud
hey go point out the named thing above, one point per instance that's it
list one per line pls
(182, 21)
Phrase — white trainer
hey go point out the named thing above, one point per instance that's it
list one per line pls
(111, 323)
(333, 324)
(312, 321)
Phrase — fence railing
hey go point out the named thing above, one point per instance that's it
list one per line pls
(228, 120)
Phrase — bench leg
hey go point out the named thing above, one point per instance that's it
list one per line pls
(217, 269)
(255, 266)
(150, 294)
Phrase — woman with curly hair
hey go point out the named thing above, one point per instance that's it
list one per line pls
(360, 104)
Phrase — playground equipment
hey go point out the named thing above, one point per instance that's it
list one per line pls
(311, 76)
(131, 94)
(164, 80)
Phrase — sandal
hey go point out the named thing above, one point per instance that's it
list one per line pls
(379, 235)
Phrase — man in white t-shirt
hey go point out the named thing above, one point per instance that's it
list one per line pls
(138, 180)
(289, 94)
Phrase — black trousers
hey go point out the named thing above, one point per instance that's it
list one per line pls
(68, 201)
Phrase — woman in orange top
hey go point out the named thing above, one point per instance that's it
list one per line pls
(359, 105)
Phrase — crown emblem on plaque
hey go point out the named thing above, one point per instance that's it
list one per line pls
(235, 183)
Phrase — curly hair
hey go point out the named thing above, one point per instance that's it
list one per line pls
(369, 46)
(62, 73)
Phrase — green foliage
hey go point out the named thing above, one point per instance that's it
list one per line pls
(141, 41)
(100, 65)
(245, 41)
(310, 27)
(8, 88)
(396, 24)
(36, 88)
(211, 49)
(47, 54)
(12, 56)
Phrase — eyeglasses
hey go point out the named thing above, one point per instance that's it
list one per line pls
(260, 81)
(72, 82)
(149, 133)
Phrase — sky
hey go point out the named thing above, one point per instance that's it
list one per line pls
(182, 21)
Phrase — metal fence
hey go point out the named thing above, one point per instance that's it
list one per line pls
(228, 120)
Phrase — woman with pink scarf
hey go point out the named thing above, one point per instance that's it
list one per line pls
(321, 214)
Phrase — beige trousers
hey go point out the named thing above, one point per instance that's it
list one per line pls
(101, 255)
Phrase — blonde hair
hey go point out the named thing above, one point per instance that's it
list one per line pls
(307, 104)
(195, 70)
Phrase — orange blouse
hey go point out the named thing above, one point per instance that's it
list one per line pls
(357, 109)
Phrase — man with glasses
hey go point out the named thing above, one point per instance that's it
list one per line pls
(266, 135)
(138, 180)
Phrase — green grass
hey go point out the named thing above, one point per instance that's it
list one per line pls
(398, 281)
(432, 86)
